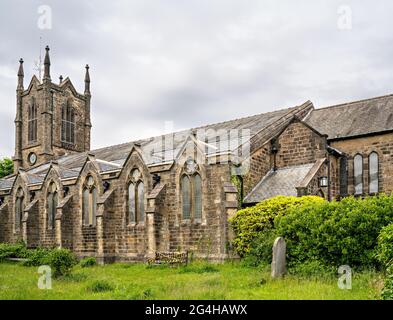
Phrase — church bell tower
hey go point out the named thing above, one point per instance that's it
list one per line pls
(52, 119)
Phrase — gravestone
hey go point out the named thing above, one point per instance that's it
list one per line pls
(278, 261)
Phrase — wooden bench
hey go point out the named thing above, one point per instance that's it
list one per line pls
(170, 258)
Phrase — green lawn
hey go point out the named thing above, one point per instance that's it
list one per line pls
(197, 281)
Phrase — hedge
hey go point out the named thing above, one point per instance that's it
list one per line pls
(60, 260)
(385, 246)
(336, 233)
(250, 222)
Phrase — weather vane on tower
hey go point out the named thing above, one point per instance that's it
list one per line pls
(38, 63)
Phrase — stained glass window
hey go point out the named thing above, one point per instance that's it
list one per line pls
(358, 174)
(186, 197)
(373, 165)
(197, 191)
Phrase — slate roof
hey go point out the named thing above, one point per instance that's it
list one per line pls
(156, 151)
(6, 183)
(354, 118)
(282, 182)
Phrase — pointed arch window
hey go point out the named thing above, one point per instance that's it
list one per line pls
(52, 202)
(32, 121)
(68, 123)
(136, 198)
(186, 196)
(140, 201)
(89, 205)
(191, 196)
(373, 172)
(197, 196)
(19, 208)
(358, 174)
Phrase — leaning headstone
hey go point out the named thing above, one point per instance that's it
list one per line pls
(278, 261)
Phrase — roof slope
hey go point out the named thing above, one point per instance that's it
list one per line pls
(156, 150)
(282, 182)
(354, 118)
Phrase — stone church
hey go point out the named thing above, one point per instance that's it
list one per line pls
(176, 192)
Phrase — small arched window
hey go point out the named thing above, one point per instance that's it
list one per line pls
(140, 201)
(89, 199)
(373, 173)
(32, 121)
(358, 174)
(19, 208)
(68, 123)
(136, 198)
(52, 201)
(131, 203)
(191, 191)
(186, 196)
(197, 196)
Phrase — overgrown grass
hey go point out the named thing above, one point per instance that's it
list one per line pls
(196, 281)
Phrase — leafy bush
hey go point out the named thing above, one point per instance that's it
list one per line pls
(37, 257)
(385, 246)
(261, 249)
(6, 167)
(61, 261)
(336, 233)
(250, 222)
(100, 286)
(387, 291)
(88, 262)
(8, 250)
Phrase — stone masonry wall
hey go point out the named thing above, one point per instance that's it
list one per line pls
(383, 145)
(298, 145)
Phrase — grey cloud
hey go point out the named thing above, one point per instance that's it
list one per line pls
(196, 62)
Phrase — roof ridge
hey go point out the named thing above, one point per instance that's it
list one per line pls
(203, 126)
(354, 102)
(247, 117)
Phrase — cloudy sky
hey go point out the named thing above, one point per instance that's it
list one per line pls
(197, 61)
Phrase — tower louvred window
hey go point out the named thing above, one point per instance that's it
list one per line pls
(68, 123)
(32, 121)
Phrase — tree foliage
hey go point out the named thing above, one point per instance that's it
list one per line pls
(337, 233)
(6, 167)
(249, 223)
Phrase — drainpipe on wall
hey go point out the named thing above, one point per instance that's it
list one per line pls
(274, 149)
(329, 188)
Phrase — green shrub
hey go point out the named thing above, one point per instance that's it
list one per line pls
(261, 249)
(61, 261)
(385, 246)
(6, 167)
(248, 223)
(37, 257)
(88, 262)
(8, 250)
(336, 233)
(100, 286)
(387, 290)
